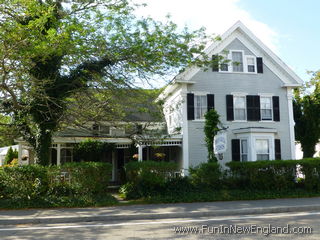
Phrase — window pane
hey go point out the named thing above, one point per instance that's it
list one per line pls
(237, 62)
(251, 68)
(250, 61)
(262, 146)
(266, 114)
(224, 67)
(239, 114)
(244, 146)
(261, 157)
(239, 102)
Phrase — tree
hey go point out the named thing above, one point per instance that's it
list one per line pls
(211, 128)
(11, 154)
(306, 106)
(51, 50)
(8, 131)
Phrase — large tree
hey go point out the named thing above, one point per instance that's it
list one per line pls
(53, 49)
(307, 115)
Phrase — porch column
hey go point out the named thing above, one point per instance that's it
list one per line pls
(58, 154)
(140, 153)
(114, 167)
(19, 154)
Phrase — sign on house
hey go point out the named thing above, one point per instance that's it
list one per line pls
(220, 143)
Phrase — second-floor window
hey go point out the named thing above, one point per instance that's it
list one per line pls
(266, 108)
(239, 107)
(200, 106)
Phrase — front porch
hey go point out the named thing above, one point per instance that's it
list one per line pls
(62, 151)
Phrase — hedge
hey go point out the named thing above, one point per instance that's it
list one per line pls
(147, 178)
(72, 180)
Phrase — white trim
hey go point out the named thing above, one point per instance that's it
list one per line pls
(185, 131)
(291, 123)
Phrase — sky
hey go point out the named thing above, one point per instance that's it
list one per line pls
(288, 27)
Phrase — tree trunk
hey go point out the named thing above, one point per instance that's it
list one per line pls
(42, 148)
(308, 150)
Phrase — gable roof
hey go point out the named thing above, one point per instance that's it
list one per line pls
(241, 32)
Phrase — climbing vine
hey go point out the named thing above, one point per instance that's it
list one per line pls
(210, 130)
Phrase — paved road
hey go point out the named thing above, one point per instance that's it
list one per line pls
(164, 228)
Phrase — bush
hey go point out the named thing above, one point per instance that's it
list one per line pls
(206, 175)
(46, 184)
(310, 168)
(147, 178)
(263, 175)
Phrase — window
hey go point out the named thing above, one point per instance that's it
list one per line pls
(244, 150)
(66, 155)
(262, 149)
(266, 108)
(251, 64)
(224, 67)
(239, 108)
(200, 106)
(237, 62)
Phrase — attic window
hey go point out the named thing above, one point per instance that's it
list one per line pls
(237, 61)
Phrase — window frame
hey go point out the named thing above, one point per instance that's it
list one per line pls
(234, 108)
(271, 108)
(201, 107)
(243, 60)
(254, 63)
(241, 150)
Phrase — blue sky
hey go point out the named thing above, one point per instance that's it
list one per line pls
(288, 27)
(297, 24)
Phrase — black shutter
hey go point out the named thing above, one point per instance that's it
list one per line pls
(276, 108)
(215, 63)
(210, 101)
(235, 146)
(190, 106)
(229, 99)
(253, 108)
(277, 149)
(259, 65)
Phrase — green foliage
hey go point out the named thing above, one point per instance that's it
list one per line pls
(206, 175)
(263, 175)
(91, 150)
(306, 106)
(8, 131)
(53, 50)
(11, 154)
(73, 184)
(210, 130)
(146, 178)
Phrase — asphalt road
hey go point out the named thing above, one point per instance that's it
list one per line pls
(202, 228)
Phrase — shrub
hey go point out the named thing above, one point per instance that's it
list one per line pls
(206, 175)
(34, 182)
(147, 178)
(265, 175)
(311, 171)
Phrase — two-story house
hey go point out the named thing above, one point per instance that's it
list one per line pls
(251, 91)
